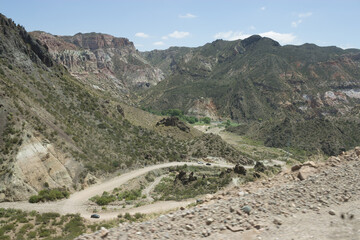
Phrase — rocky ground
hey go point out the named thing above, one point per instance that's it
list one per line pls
(309, 201)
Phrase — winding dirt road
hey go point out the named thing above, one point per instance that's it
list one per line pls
(77, 202)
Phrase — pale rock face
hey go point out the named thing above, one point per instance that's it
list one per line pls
(37, 163)
(334, 98)
(352, 93)
(204, 107)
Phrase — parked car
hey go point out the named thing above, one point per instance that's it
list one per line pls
(200, 162)
(95, 216)
(209, 164)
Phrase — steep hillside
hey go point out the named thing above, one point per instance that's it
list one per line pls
(252, 78)
(168, 59)
(102, 61)
(59, 132)
(256, 80)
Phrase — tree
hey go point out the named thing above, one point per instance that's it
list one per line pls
(206, 120)
(228, 123)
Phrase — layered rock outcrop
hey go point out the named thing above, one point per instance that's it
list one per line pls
(103, 61)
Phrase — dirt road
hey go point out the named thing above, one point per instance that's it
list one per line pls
(77, 202)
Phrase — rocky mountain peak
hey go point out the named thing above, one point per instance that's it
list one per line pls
(16, 43)
(256, 38)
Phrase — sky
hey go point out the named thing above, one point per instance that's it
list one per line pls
(160, 24)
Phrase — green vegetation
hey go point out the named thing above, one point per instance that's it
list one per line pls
(207, 181)
(118, 195)
(49, 195)
(262, 83)
(104, 199)
(17, 224)
(33, 225)
(180, 114)
(89, 126)
(129, 195)
(304, 137)
(137, 217)
(206, 120)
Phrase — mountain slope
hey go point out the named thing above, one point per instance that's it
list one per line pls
(255, 80)
(59, 132)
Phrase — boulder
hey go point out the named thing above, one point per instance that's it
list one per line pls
(246, 209)
(295, 167)
(357, 151)
(240, 169)
(192, 177)
(310, 163)
(120, 110)
(259, 167)
(173, 122)
(209, 221)
(305, 172)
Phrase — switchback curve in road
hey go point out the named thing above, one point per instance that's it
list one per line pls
(77, 202)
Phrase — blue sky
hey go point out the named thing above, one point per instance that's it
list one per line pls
(159, 24)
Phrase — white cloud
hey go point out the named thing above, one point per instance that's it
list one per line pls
(301, 17)
(177, 34)
(296, 23)
(141, 35)
(230, 35)
(165, 37)
(305, 15)
(347, 46)
(188, 15)
(263, 8)
(282, 38)
(160, 43)
(252, 27)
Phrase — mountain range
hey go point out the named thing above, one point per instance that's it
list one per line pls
(59, 131)
(70, 109)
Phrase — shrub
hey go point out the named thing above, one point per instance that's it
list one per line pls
(206, 120)
(127, 216)
(105, 199)
(49, 195)
(35, 199)
(75, 226)
(138, 215)
(31, 235)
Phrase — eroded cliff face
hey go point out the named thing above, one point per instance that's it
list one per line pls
(104, 62)
(38, 164)
(204, 107)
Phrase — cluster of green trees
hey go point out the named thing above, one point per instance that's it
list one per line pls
(180, 114)
(49, 195)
